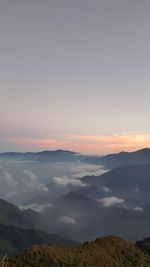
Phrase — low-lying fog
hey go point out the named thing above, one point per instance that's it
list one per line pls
(21, 180)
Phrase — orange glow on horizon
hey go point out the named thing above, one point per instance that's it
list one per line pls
(87, 144)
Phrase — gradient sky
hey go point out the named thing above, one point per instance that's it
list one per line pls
(75, 74)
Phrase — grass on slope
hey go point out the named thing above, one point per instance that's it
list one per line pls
(103, 252)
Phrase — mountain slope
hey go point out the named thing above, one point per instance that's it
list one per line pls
(103, 252)
(127, 158)
(21, 229)
(133, 179)
(12, 215)
(144, 245)
(15, 239)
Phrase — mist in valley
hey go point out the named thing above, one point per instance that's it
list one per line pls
(78, 198)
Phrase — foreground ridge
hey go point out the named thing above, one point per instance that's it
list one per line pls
(103, 252)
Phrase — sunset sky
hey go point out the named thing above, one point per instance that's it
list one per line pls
(75, 75)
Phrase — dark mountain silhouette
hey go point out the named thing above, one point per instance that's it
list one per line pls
(125, 181)
(126, 158)
(21, 229)
(95, 191)
(52, 156)
(15, 239)
(74, 198)
(12, 215)
(109, 161)
(74, 202)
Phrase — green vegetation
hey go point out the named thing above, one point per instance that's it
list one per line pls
(103, 252)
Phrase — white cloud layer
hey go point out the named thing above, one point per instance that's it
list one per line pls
(32, 181)
(7, 178)
(36, 207)
(67, 219)
(65, 181)
(111, 201)
(140, 209)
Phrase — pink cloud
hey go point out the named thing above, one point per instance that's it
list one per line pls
(87, 144)
(112, 143)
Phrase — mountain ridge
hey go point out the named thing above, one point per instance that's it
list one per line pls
(103, 252)
(141, 156)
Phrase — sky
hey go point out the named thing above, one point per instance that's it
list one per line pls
(74, 75)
